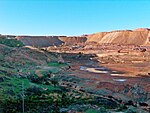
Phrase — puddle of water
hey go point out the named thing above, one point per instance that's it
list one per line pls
(94, 70)
(83, 68)
(114, 74)
(101, 70)
(120, 80)
(114, 71)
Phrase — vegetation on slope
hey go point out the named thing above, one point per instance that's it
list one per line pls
(10, 42)
(30, 82)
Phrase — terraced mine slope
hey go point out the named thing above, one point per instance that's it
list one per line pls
(40, 41)
(135, 37)
(45, 41)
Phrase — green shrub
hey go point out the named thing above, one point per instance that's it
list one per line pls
(11, 42)
(56, 64)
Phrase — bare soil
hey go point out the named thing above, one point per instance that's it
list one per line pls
(128, 70)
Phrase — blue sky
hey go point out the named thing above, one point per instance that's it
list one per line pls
(72, 17)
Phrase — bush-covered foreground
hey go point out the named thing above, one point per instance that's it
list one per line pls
(44, 95)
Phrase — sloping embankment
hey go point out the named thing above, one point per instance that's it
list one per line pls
(136, 37)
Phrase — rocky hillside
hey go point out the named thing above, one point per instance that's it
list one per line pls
(27, 74)
(137, 37)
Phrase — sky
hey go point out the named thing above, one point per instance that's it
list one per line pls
(72, 17)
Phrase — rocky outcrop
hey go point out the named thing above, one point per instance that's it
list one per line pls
(139, 36)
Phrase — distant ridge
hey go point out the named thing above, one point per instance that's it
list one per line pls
(139, 36)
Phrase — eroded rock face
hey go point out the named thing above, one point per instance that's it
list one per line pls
(137, 37)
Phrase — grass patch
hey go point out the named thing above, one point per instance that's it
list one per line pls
(101, 110)
(56, 64)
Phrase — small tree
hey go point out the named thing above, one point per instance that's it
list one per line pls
(22, 95)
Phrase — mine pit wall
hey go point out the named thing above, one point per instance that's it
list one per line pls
(45, 41)
(40, 41)
(73, 40)
(125, 37)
